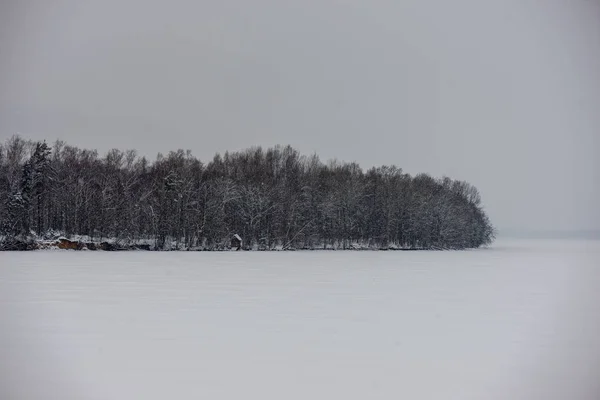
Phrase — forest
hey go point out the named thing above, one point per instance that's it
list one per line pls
(273, 199)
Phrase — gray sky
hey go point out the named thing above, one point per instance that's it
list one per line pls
(504, 94)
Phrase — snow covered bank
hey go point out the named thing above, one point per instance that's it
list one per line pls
(114, 244)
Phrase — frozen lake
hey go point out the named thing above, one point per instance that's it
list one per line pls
(518, 321)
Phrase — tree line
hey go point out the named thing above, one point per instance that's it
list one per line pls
(273, 198)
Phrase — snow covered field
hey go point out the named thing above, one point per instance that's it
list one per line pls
(518, 321)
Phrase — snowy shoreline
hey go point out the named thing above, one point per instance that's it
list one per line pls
(63, 243)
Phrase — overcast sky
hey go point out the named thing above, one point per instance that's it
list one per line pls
(504, 94)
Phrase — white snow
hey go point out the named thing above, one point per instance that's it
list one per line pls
(518, 321)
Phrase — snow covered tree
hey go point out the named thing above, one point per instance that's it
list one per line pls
(272, 198)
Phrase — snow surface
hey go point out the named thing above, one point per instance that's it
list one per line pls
(518, 321)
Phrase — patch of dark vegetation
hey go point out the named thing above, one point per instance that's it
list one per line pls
(274, 199)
